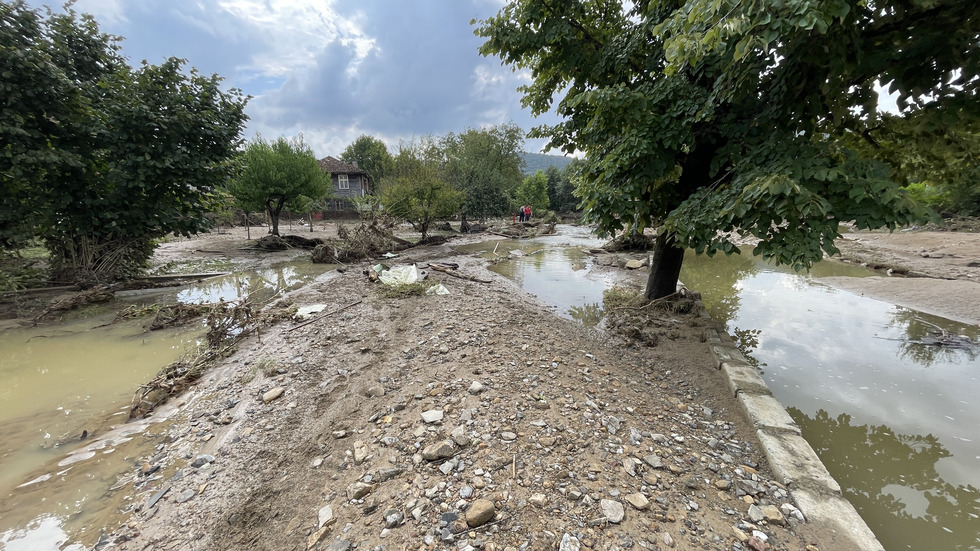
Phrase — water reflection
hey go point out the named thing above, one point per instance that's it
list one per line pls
(588, 315)
(829, 350)
(892, 479)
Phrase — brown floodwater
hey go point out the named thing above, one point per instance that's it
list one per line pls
(68, 458)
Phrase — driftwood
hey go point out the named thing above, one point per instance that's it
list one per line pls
(318, 318)
(448, 269)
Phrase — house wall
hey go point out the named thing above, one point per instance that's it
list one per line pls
(356, 188)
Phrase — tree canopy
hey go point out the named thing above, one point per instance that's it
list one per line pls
(369, 154)
(415, 192)
(533, 191)
(717, 119)
(486, 165)
(272, 175)
(97, 158)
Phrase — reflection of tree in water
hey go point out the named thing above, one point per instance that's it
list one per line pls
(923, 330)
(258, 286)
(588, 315)
(716, 279)
(865, 459)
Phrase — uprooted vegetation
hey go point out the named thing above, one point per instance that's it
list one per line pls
(631, 315)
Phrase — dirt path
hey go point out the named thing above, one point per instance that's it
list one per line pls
(935, 272)
(477, 420)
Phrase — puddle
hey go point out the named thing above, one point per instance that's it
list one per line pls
(65, 379)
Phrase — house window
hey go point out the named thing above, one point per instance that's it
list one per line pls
(342, 182)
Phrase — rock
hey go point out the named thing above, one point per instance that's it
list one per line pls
(339, 545)
(272, 394)
(773, 516)
(723, 484)
(480, 512)
(654, 461)
(634, 264)
(755, 514)
(393, 518)
(439, 450)
(360, 452)
(358, 490)
(201, 461)
(476, 387)
(569, 543)
(667, 539)
(638, 501)
(508, 436)
(790, 511)
(185, 496)
(466, 492)
(324, 516)
(612, 510)
(432, 416)
(539, 500)
(756, 544)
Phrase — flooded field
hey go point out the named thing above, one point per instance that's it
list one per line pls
(65, 449)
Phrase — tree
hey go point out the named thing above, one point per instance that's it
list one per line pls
(414, 192)
(721, 119)
(561, 190)
(534, 191)
(100, 159)
(371, 155)
(486, 165)
(272, 175)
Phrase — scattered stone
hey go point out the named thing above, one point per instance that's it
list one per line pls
(569, 543)
(272, 394)
(476, 387)
(723, 484)
(612, 510)
(539, 500)
(439, 450)
(324, 516)
(638, 501)
(654, 461)
(360, 452)
(756, 544)
(358, 490)
(480, 512)
(667, 539)
(755, 514)
(201, 461)
(186, 495)
(508, 436)
(432, 416)
(772, 515)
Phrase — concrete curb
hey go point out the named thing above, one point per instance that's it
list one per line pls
(792, 459)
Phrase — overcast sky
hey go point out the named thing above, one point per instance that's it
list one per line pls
(332, 69)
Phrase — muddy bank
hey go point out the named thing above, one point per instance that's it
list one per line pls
(930, 271)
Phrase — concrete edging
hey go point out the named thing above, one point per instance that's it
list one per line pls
(792, 459)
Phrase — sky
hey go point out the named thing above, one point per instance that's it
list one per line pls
(332, 70)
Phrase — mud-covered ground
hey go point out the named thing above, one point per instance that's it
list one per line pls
(474, 420)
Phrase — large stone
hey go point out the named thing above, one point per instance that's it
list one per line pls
(358, 490)
(654, 461)
(324, 516)
(773, 515)
(273, 394)
(439, 450)
(569, 543)
(432, 416)
(612, 510)
(480, 512)
(638, 501)
(476, 387)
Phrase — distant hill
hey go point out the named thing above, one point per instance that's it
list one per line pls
(534, 162)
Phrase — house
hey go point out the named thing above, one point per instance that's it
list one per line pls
(348, 181)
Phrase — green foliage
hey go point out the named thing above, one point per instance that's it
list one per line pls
(98, 159)
(716, 119)
(486, 165)
(534, 191)
(927, 194)
(369, 154)
(272, 175)
(561, 187)
(415, 193)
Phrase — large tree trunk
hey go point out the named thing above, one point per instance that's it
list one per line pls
(665, 268)
(273, 206)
